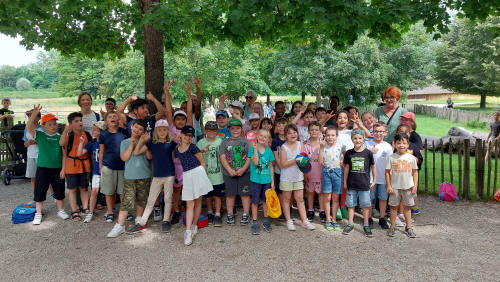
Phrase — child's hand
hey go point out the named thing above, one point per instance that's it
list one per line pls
(169, 83)
(150, 96)
(133, 98)
(321, 143)
(205, 149)
(389, 190)
(303, 108)
(103, 113)
(145, 138)
(306, 178)
(82, 139)
(36, 110)
(223, 98)
(232, 172)
(133, 141)
(372, 185)
(188, 89)
(374, 150)
(62, 174)
(414, 189)
(197, 82)
(272, 186)
(356, 120)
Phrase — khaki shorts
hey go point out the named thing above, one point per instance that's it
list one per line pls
(111, 181)
(401, 196)
(291, 186)
(135, 192)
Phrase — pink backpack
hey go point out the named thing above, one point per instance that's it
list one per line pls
(447, 192)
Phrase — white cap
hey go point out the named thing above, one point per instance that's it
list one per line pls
(254, 116)
(237, 104)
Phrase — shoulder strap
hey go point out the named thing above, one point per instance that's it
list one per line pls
(71, 139)
(389, 121)
(97, 116)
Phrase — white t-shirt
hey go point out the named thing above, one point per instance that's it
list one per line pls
(303, 133)
(402, 167)
(332, 156)
(384, 151)
(344, 139)
(32, 151)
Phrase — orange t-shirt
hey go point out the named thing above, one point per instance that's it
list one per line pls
(74, 166)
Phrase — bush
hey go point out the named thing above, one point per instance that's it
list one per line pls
(23, 84)
(477, 124)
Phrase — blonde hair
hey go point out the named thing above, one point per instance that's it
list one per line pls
(156, 139)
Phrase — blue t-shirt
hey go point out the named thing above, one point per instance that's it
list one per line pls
(93, 148)
(111, 142)
(262, 173)
(163, 165)
(151, 120)
(276, 147)
(224, 133)
(188, 160)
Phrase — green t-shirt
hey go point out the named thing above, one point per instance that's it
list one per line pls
(49, 151)
(137, 167)
(212, 161)
(262, 173)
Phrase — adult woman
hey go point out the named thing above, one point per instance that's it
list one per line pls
(250, 99)
(257, 108)
(89, 116)
(390, 112)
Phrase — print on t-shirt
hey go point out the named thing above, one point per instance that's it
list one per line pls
(402, 166)
(263, 167)
(358, 165)
(212, 151)
(236, 156)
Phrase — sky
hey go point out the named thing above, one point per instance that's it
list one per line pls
(13, 54)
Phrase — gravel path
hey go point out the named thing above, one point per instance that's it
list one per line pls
(457, 241)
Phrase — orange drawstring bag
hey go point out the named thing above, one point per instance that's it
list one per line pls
(273, 204)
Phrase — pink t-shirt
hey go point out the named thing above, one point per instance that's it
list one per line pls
(313, 153)
(251, 136)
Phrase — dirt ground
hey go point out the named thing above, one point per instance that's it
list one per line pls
(456, 241)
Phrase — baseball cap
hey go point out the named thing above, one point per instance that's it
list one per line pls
(188, 129)
(180, 112)
(237, 104)
(409, 115)
(254, 116)
(234, 122)
(161, 122)
(211, 125)
(222, 112)
(357, 131)
(48, 117)
(100, 124)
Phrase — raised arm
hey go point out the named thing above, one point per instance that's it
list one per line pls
(299, 115)
(169, 111)
(141, 147)
(197, 105)
(189, 105)
(81, 151)
(125, 155)
(31, 125)
(160, 110)
(121, 108)
(64, 135)
(222, 100)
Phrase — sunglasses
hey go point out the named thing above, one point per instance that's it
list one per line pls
(248, 97)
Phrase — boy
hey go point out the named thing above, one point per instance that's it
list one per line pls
(209, 146)
(110, 164)
(137, 178)
(494, 134)
(50, 163)
(77, 167)
(222, 118)
(233, 157)
(279, 110)
(401, 176)
(381, 151)
(6, 115)
(140, 108)
(357, 165)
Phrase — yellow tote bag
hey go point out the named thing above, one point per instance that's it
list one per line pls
(273, 204)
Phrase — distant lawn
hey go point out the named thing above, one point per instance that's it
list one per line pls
(490, 108)
(433, 126)
(36, 93)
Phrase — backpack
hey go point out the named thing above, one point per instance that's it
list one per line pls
(23, 214)
(447, 192)
(71, 139)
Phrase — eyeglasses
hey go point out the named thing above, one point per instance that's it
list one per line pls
(248, 97)
(389, 98)
(379, 131)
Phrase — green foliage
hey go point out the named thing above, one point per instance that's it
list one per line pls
(477, 124)
(23, 84)
(79, 74)
(7, 76)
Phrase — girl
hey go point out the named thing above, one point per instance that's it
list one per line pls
(330, 157)
(297, 111)
(267, 124)
(368, 119)
(291, 177)
(161, 148)
(196, 182)
(313, 178)
(254, 122)
(307, 118)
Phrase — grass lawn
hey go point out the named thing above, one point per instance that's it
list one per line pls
(490, 108)
(36, 93)
(433, 126)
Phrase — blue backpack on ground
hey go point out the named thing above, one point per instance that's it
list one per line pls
(23, 214)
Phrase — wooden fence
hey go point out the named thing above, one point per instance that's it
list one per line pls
(450, 114)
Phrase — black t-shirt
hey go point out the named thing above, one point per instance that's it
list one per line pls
(5, 112)
(415, 139)
(359, 169)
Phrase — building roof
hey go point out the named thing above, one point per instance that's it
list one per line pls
(432, 89)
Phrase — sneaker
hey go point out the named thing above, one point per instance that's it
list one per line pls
(267, 225)
(188, 239)
(165, 227)
(336, 226)
(339, 214)
(245, 219)
(116, 231)
(329, 226)
(368, 231)
(399, 223)
(62, 214)
(290, 226)
(157, 213)
(347, 229)
(88, 217)
(129, 217)
(230, 219)
(370, 222)
(175, 217)
(194, 230)
(345, 214)
(110, 218)
(375, 213)
(308, 225)
(255, 228)
(217, 221)
(415, 211)
(310, 215)
(383, 223)
(136, 228)
(322, 216)
(409, 232)
(137, 219)
(210, 217)
(391, 232)
(38, 219)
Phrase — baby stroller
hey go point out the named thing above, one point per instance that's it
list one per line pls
(16, 168)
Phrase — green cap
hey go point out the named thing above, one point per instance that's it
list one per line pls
(234, 122)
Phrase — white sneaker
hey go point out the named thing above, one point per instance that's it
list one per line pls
(116, 231)
(38, 219)
(88, 217)
(138, 219)
(290, 225)
(308, 225)
(188, 238)
(157, 213)
(62, 214)
(194, 230)
(399, 223)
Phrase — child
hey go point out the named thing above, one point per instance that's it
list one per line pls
(196, 182)
(161, 148)
(50, 163)
(307, 117)
(320, 113)
(233, 157)
(222, 118)
(409, 119)
(357, 165)
(313, 178)
(137, 177)
(278, 141)
(92, 147)
(77, 167)
(6, 115)
(368, 119)
(494, 134)
(345, 142)
(209, 147)
(254, 121)
(111, 165)
(261, 178)
(292, 178)
(381, 151)
(401, 176)
(330, 156)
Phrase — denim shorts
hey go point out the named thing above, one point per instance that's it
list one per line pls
(331, 180)
(353, 196)
(380, 192)
(258, 192)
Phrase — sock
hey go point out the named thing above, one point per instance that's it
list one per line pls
(310, 210)
(217, 214)
(366, 224)
(350, 223)
(210, 212)
(321, 210)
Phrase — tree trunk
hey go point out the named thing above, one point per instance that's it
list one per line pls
(268, 98)
(482, 105)
(153, 57)
(303, 97)
(318, 97)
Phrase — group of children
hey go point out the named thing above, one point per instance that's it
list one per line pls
(138, 156)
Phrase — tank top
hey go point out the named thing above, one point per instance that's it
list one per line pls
(292, 173)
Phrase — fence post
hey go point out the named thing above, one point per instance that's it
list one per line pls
(426, 177)
(488, 184)
(477, 154)
(466, 168)
(460, 169)
(442, 161)
(450, 152)
(497, 148)
(433, 167)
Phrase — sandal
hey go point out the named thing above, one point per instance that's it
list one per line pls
(75, 216)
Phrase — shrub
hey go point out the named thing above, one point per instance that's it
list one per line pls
(23, 84)
(477, 124)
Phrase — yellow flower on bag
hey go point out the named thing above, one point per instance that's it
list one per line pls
(273, 204)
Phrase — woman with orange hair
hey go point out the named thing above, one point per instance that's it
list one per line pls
(390, 112)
